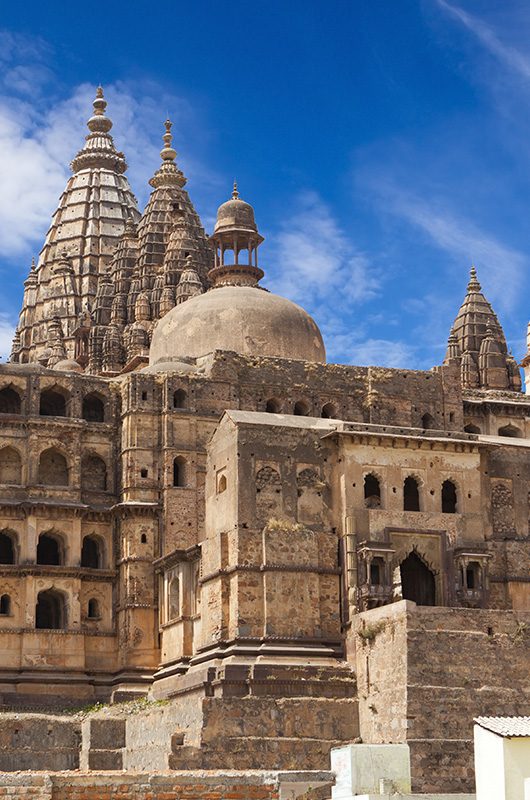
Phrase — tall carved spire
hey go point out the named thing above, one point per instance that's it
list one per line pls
(88, 223)
(477, 339)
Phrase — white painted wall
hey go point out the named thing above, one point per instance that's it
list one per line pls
(501, 766)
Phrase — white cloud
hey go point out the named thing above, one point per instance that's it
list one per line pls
(39, 135)
(7, 330)
(500, 267)
(312, 258)
(505, 53)
(344, 348)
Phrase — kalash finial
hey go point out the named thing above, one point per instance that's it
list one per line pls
(168, 153)
(235, 193)
(98, 122)
(473, 285)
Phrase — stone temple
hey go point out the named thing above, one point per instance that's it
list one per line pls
(196, 506)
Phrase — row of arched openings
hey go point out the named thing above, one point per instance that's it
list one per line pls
(511, 431)
(53, 469)
(51, 550)
(54, 403)
(300, 408)
(411, 494)
(50, 610)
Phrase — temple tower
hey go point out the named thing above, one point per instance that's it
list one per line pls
(86, 227)
(477, 343)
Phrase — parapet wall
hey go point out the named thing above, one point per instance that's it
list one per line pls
(424, 673)
(256, 785)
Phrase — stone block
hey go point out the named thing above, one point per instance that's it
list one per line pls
(360, 768)
(107, 734)
(105, 759)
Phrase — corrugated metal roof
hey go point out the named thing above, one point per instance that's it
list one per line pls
(505, 726)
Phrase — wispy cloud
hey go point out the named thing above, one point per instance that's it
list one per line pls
(7, 330)
(506, 53)
(314, 259)
(501, 267)
(39, 136)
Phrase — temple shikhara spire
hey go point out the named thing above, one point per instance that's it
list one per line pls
(85, 230)
(478, 344)
(196, 507)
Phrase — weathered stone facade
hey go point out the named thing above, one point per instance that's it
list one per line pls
(194, 504)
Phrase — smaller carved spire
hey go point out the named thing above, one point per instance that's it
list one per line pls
(235, 193)
(55, 342)
(63, 263)
(453, 348)
(189, 284)
(130, 228)
(32, 274)
(473, 285)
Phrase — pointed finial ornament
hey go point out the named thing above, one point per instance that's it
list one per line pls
(473, 285)
(235, 193)
(168, 174)
(168, 153)
(98, 122)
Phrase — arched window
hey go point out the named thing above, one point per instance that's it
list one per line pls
(427, 421)
(10, 466)
(377, 571)
(273, 406)
(180, 399)
(93, 609)
(50, 550)
(449, 497)
(53, 403)
(301, 409)
(173, 598)
(53, 469)
(93, 408)
(328, 411)
(510, 430)
(411, 494)
(221, 484)
(372, 492)
(179, 471)
(9, 401)
(5, 605)
(7, 547)
(472, 428)
(91, 555)
(93, 474)
(50, 613)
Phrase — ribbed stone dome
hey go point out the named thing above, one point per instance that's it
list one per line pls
(246, 320)
(235, 214)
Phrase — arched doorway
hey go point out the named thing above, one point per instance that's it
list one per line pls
(417, 581)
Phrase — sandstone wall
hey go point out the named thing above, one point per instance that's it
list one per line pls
(425, 673)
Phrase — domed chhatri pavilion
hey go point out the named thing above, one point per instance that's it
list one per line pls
(195, 506)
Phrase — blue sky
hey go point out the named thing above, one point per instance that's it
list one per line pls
(384, 146)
